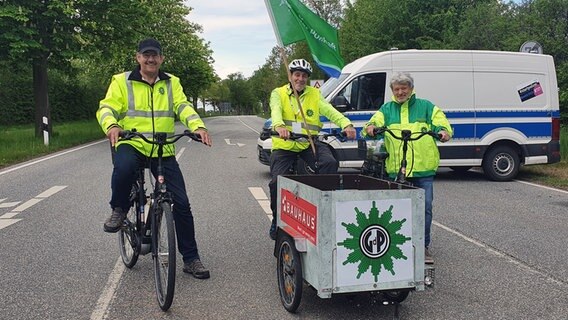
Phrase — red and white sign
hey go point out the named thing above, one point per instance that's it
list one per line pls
(299, 214)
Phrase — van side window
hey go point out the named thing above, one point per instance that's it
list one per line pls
(366, 92)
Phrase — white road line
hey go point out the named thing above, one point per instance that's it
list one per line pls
(109, 291)
(498, 254)
(262, 199)
(6, 222)
(8, 215)
(9, 204)
(181, 151)
(541, 186)
(246, 125)
(26, 205)
(258, 193)
(51, 191)
(50, 157)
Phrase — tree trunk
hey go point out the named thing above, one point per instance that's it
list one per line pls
(41, 96)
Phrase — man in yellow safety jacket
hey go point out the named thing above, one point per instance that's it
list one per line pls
(148, 100)
(287, 117)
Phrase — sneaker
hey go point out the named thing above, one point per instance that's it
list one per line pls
(428, 259)
(272, 231)
(114, 222)
(197, 269)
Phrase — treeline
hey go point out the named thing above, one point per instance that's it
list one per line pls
(369, 26)
(61, 53)
(77, 45)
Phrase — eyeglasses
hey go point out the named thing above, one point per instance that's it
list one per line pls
(148, 55)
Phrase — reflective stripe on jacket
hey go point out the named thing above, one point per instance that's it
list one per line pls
(416, 115)
(131, 102)
(285, 111)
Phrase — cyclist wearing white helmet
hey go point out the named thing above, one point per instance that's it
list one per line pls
(287, 117)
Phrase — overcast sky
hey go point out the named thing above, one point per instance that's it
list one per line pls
(239, 32)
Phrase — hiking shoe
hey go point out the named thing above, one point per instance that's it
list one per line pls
(428, 259)
(197, 269)
(272, 231)
(114, 222)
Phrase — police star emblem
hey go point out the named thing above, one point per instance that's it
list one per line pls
(310, 112)
(162, 91)
(375, 241)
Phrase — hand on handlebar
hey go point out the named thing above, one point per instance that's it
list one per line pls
(350, 132)
(113, 135)
(370, 130)
(283, 132)
(204, 135)
(443, 136)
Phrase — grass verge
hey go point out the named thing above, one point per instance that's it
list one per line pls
(19, 143)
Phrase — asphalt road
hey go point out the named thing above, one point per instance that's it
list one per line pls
(501, 249)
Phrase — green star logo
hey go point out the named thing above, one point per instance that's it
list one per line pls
(375, 241)
(310, 112)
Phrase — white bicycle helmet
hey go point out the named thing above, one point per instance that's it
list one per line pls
(300, 65)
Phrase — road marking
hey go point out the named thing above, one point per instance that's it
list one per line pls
(497, 253)
(181, 151)
(6, 222)
(9, 204)
(51, 191)
(50, 157)
(246, 125)
(8, 215)
(541, 186)
(262, 200)
(228, 141)
(26, 205)
(109, 291)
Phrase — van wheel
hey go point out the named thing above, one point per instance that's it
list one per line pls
(501, 163)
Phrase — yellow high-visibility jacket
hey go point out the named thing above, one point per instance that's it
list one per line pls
(131, 102)
(284, 111)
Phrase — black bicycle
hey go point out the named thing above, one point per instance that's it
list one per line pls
(152, 231)
(374, 164)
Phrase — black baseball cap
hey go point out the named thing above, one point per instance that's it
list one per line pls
(149, 45)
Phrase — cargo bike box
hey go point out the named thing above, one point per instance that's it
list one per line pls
(345, 233)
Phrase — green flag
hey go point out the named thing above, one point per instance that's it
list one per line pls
(293, 21)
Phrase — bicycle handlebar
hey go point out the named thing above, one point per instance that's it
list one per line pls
(406, 135)
(267, 133)
(160, 138)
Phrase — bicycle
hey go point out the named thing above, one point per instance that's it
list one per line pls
(374, 164)
(153, 232)
(300, 166)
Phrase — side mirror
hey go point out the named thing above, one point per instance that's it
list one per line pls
(340, 103)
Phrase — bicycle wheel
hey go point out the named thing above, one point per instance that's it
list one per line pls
(128, 239)
(164, 255)
(289, 271)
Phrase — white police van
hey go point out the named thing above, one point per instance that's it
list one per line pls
(503, 106)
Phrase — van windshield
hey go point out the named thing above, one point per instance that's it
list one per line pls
(331, 84)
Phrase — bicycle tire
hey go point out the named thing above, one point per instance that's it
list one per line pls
(164, 255)
(289, 273)
(129, 240)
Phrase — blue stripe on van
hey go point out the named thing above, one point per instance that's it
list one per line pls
(528, 129)
(502, 114)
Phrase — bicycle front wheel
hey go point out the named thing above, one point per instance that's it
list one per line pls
(164, 249)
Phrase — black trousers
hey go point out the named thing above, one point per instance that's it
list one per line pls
(282, 160)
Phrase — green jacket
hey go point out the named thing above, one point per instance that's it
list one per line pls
(284, 111)
(131, 102)
(416, 115)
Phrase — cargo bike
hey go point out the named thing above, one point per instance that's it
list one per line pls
(350, 233)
